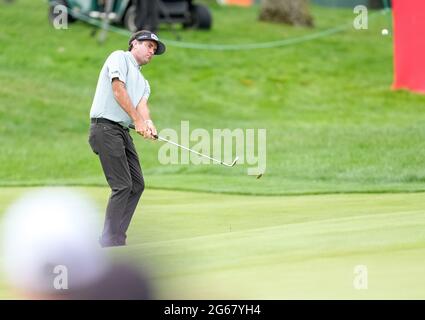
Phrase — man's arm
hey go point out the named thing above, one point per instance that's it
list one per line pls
(123, 99)
(143, 110)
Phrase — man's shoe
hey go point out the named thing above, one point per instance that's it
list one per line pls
(105, 243)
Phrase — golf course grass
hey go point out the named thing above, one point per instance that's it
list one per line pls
(344, 182)
(208, 246)
(333, 124)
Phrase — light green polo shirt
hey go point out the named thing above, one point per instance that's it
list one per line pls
(123, 66)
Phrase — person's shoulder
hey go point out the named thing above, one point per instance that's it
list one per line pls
(117, 57)
(117, 54)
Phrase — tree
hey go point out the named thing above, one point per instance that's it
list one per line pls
(293, 12)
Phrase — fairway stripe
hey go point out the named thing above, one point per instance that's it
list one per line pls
(285, 226)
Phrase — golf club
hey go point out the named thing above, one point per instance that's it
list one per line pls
(193, 151)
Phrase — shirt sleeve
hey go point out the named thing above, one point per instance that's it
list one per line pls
(117, 66)
(147, 91)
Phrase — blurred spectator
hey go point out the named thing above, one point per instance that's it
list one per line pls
(50, 251)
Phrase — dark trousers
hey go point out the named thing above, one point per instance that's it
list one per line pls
(114, 146)
(147, 15)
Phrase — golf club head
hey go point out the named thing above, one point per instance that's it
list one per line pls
(234, 161)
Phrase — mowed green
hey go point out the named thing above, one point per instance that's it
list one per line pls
(202, 245)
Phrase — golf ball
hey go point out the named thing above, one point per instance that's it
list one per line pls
(384, 32)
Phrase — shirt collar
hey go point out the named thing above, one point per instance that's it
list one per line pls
(132, 59)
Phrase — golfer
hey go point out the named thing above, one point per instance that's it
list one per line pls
(121, 99)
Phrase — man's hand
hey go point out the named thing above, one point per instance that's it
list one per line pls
(151, 128)
(141, 128)
(143, 110)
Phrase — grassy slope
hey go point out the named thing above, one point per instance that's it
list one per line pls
(225, 246)
(332, 123)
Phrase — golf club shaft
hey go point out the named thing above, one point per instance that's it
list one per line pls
(188, 149)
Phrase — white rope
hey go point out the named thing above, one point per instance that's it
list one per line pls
(228, 47)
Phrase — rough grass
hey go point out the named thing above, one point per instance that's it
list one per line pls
(333, 124)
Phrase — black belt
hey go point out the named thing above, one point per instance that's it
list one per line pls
(103, 120)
